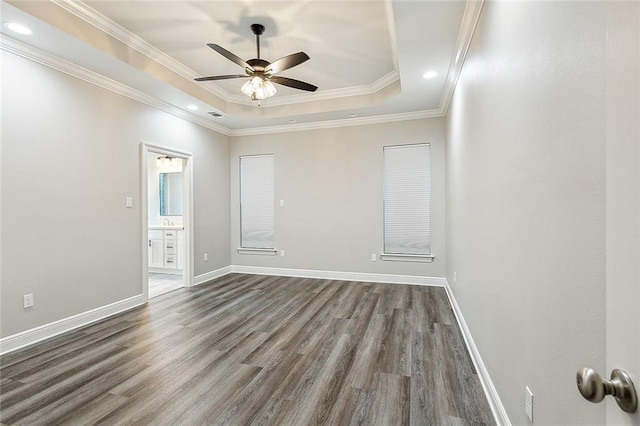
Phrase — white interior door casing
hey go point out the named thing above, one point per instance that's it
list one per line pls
(623, 199)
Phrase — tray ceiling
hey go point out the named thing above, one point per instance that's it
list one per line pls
(367, 57)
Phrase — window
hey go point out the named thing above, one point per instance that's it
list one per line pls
(407, 200)
(256, 202)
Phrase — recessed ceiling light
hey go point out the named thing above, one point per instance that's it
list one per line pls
(353, 115)
(18, 28)
(430, 74)
(192, 107)
(292, 121)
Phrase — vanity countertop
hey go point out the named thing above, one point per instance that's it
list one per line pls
(166, 227)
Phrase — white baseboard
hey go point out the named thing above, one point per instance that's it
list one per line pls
(338, 275)
(499, 413)
(34, 335)
(212, 275)
(37, 334)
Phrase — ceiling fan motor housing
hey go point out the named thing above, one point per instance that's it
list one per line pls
(258, 64)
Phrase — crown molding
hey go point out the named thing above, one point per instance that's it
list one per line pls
(106, 25)
(391, 22)
(34, 54)
(472, 12)
(98, 20)
(323, 95)
(331, 124)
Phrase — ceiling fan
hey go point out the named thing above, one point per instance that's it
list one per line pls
(261, 73)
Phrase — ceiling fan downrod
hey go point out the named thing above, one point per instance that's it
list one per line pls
(257, 29)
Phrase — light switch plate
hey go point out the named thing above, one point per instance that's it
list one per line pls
(129, 202)
(27, 300)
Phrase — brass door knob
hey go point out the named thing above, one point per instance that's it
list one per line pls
(594, 388)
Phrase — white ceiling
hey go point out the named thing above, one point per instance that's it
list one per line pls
(367, 57)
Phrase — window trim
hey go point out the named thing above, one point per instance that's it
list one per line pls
(264, 251)
(395, 257)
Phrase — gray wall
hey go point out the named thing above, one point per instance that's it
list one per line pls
(70, 156)
(331, 183)
(526, 201)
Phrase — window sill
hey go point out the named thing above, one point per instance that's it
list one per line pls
(262, 251)
(424, 258)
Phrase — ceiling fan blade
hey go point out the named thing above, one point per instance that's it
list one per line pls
(296, 84)
(230, 56)
(220, 77)
(286, 62)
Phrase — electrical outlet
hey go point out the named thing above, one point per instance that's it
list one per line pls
(27, 300)
(281, 253)
(528, 403)
(373, 257)
(206, 257)
(281, 203)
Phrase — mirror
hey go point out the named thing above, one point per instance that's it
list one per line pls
(170, 194)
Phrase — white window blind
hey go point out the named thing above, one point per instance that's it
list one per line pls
(407, 199)
(256, 201)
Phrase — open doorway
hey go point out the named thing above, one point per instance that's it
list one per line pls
(166, 188)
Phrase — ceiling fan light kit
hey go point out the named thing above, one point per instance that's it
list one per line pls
(261, 73)
(257, 88)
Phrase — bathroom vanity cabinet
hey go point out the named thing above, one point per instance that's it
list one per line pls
(166, 250)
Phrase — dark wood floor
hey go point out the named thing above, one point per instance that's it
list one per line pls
(247, 349)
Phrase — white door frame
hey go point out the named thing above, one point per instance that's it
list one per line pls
(622, 248)
(187, 217)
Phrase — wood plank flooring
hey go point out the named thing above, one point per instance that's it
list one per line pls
(255, 350)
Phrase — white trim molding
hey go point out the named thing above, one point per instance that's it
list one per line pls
(34, 54)
(266, 251)
(323, 95)
(211, 275)
(106, 25)
(498, 410)
(471, 16)
(46, 331)
(39, 56)
(396, 257)
(85, 12)
(332, 124)
(499, 413)
(37, 334)
(470, 19)
(339, 275)
(188, 210)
